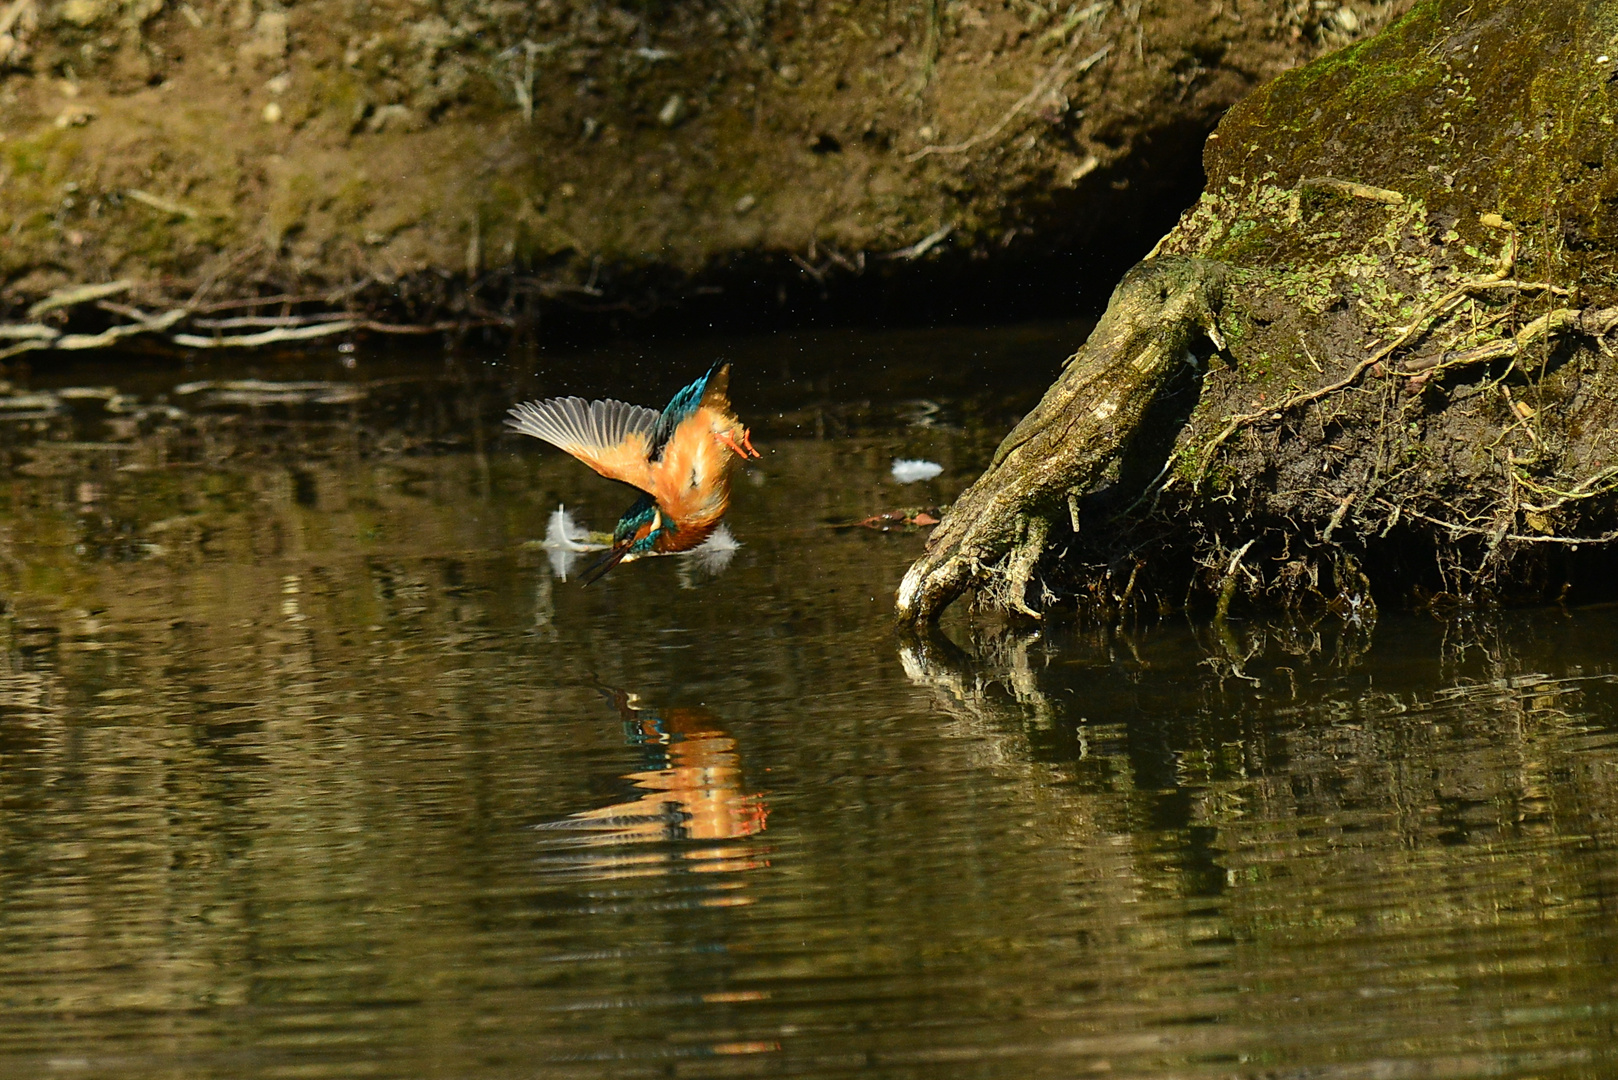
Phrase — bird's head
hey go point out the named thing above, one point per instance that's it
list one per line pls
(640, 527)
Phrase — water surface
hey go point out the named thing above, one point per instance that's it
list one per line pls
(311, 767)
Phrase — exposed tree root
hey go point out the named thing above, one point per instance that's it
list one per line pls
(1086, 420)
(997, 532)
(1394, 405)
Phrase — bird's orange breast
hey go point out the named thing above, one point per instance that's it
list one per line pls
(692, 481)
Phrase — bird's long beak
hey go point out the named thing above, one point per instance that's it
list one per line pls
(612, 558)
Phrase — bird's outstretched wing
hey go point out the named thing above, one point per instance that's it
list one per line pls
(612, 437)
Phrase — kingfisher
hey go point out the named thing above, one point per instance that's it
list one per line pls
(680, 459)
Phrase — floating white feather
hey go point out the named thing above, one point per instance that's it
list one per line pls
(565, 541)
(564, 532)
(911, 470)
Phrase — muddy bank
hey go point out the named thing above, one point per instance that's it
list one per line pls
(484, 161)
(1372, 364)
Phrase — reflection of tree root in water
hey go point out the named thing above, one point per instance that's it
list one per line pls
(1320, 642)
(997, 675)
(1497, 683)
(999, 682)
(1142, 775)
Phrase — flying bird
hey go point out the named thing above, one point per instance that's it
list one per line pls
(680, 459)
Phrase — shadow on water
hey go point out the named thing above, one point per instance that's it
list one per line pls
(312, 764)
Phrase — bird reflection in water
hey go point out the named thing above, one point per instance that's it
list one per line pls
(691, 789)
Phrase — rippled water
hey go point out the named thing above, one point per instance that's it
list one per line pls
(310, 767)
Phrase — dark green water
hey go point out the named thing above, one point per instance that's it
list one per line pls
(310, 768)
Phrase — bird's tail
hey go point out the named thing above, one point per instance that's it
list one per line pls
(716, 388)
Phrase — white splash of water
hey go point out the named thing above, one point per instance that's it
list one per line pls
(714, 554)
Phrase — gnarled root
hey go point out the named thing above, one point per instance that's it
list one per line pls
(1087, 419)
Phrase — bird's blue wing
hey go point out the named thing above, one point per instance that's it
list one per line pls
(684, 406)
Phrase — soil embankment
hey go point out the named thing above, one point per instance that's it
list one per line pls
(475, 159)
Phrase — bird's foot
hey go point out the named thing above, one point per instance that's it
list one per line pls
(742, 449)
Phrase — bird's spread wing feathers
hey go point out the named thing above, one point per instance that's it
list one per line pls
(612, 437)
(571, 421)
